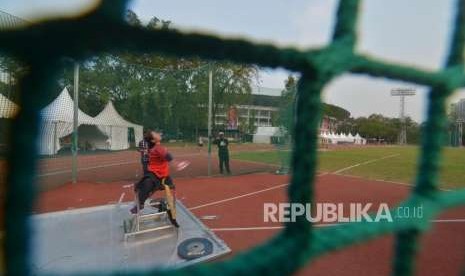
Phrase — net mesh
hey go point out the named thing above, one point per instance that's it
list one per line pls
(104, 30)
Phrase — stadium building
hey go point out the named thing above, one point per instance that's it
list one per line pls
(458, 109)
(263, 111)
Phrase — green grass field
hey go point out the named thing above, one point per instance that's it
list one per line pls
(401, 168)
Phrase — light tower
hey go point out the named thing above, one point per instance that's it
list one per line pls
(459, 131)
(402, 93)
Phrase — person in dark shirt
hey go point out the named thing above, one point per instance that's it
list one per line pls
(223, 152)
(143, 149)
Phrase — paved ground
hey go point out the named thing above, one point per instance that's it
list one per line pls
(236, 203)
(125, 165)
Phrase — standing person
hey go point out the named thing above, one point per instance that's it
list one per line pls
(143, 149)
(223, 152)
(200, 143)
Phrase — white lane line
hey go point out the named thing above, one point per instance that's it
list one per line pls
(390, 182)
(121, 198)
(448, 220)
(261, 228)
(237, 197)
(258, 228)
(246, 228)
(86, 169)
(103, 166)
(365, 163)
(257, 163)
(245, 195)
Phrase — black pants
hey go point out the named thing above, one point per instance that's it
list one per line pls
(149, 184)
(224, 161)
(145, 165)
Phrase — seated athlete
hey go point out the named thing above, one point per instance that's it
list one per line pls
(157, 170)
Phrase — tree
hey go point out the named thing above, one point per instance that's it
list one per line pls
(14, 71)
(169, 94)
(376, 126)
(287, 106)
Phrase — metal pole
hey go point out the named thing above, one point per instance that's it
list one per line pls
(459, 134)
(210, 111)
(402, 92)
(403, 134)
(75, 122)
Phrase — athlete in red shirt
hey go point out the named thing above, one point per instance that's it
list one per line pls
(157, 175)
(159, 159)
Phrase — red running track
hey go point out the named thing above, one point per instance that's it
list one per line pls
(237, 203)
(125, 166)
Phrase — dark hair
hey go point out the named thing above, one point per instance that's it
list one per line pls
(148, 135)
(148, 138)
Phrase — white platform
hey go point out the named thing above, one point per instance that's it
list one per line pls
(91, 240)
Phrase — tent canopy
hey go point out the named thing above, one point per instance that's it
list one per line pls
(57, 122)
(61, 110)
(109, 116)
(116, 128)
(8, 109)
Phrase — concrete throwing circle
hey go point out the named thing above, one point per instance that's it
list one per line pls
(195, 248)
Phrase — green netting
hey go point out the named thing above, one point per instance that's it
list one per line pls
(105, 30)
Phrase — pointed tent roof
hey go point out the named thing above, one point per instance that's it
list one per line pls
(8, 109)
(61, 110)
(109, 116)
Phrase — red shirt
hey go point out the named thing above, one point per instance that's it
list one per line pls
(158, 161)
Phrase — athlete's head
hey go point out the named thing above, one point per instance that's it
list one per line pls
(221, 134)
(156, 137)
(148, 135)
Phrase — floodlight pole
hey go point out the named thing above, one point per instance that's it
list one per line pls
(459, 132)
(402, 93)
(74, 147)
(403, 132)
(210, 111)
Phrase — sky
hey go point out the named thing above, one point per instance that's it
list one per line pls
(414, 33)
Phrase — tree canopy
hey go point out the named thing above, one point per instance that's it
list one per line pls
(159, 92)
(377, 126)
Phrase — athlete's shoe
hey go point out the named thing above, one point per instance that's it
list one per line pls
(134, 209)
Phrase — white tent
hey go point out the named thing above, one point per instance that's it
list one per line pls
(343, 137)
(8, 109)
(359, 140)
(57, 122)
(351, 138)
(116, 129)
(263, 134)
(332, 138)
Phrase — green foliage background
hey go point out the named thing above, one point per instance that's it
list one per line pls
(159, 92)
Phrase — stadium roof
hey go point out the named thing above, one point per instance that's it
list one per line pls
(265, 100)
(266, 96)
(259, 90)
